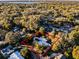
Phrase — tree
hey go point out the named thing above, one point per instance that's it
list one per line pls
(24, 51)
(56, 40)
(61, 19)
(75, 52)
(17, 20)
(74, 36)
(5, 23)
(12, 38)
(41, 30)
(70, 17)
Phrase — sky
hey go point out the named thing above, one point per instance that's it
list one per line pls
(39, 0)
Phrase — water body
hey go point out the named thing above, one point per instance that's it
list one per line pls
(37, 1)
(26, 2)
